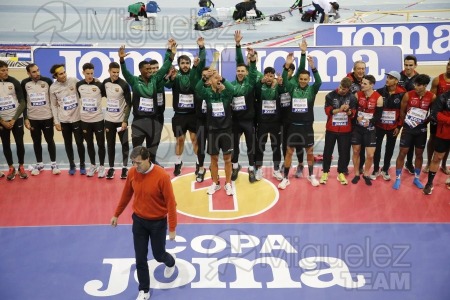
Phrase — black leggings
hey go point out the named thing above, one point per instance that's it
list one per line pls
(5, 135)
(111, 129)
(344, 146)
(97, 129)
(248, 129)
(389, 150)
(67, 130)
(45, 127)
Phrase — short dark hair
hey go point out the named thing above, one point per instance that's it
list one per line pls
(114, 65)
(422, 79)
(153, 62)
(270, 70)
(292, 67)
(3, 64)
(143, 63)
(28, 67)
(370, 78)
(184, 57)
(411, 57)
(88, 66)
(306, 72)
(140, 151)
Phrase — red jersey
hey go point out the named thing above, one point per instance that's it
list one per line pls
(443, 85)
(417, 109)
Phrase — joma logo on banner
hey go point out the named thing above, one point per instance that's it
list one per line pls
(333, 63)
(428, 41)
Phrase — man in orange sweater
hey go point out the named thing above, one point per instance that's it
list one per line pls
(154, 202)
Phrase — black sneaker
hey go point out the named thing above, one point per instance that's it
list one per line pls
(200, 176)
(124, 173)
(251, 176)
(367, 180)
(197, 167)
(235, 173)
(428, 189)
(110, 174)
(177, 170)
(410, 168)
(356, 179)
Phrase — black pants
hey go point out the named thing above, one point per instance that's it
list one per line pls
(389, 149)
(155, 232)
(111, 130)
(149, 130)
(97, 129)
(247, 128)
(344, 148)
(67, 130)
(319, 10)
(45, 127)
(201, 135)
(5, 135)
(263, 131)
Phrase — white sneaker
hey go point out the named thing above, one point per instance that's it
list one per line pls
(101, 172)
(168, 271)
(277, 174)
(386, 175)
(91, 171)
(35, 171)
(143, 296)
(313, 180)
(283, 184)
(258, 174)
(229, 189)
(55, 170)
(213, 188)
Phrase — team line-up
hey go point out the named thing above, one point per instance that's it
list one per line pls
(216, 112)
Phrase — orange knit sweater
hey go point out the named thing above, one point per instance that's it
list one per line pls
(153, 196)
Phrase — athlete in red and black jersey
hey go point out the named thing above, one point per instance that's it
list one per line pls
(440, 113)
(389, 124)
(369, 110)
(439, 85)
(414, 115)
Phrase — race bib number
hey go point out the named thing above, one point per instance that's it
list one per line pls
(366, 117)
(146, 104)
(388, 117)
(89, 104)
(186, 101)
(299, 105)
(239, 103)
(340, 119)
(415, 116)
(269, 107)
(218, 110)
(38, 99)
(285, 100)
(70, 102)
(204, 107)
(7, 103)
(112, 105)
(160, 99)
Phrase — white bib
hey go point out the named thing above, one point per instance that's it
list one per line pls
(146, 104)
(89, 104)
(70, 102)
(218, 110)
(285, 100)
(415, 116)
(112, 105)
(388, 117)
(186, 101)
(299, 105)
(204, 107)
(366, 117)
(340, 119)
(7, 103)
(160, 99)
(239, 103)
(269, 107)
(38, 99)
